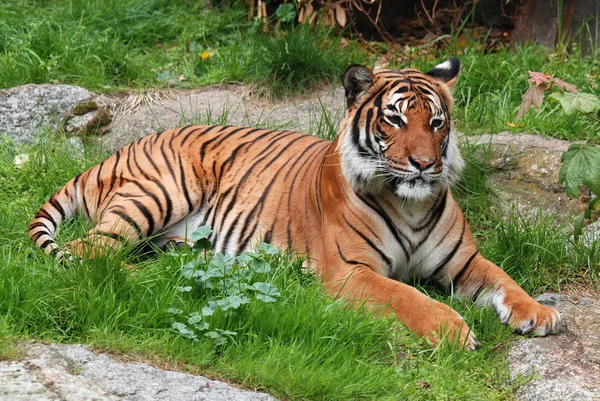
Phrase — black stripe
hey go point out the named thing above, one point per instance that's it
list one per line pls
(398, 235)
(222, 136)
(369, 137)
(184, 186)
(383, 256)
(169, 211)
(129, 220)
(462, 271)
(57, 206)
(347, 261)
(478, 291)
(433, 214)
(36, 225)
(146, 214)
(100, 185)
(45, 215)
(157, 135)
(450, 255)
(37, 235)
(149, 157)
(204, 130)
(167, 161)
(113, 177)
(76, 180)
(46, 243)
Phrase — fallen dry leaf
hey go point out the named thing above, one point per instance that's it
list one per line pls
(539, 78)
(565, 86)
(532, 98)
(340, 15)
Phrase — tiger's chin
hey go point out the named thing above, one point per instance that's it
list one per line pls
(416, 190)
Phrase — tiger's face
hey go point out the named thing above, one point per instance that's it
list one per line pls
(396, 135)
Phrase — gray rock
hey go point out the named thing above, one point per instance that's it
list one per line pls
(526, 169)
(74, 373)
(26, 111)
(565, 366)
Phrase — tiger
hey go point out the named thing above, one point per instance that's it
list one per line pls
(373, 208)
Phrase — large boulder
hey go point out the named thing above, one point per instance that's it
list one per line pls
(564, 366)
(525, 170)
(27, 111)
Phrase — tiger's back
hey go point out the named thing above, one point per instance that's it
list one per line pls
(243, 182)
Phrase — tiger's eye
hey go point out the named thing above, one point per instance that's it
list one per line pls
(437, 123)
(395, 120)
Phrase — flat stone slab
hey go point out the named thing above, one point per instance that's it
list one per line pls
(565, 366)
(74, 373)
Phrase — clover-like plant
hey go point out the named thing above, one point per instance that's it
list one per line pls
(226, 282)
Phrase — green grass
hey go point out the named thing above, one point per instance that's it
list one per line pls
(111, 45)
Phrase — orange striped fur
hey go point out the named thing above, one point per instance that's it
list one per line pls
(372, 208)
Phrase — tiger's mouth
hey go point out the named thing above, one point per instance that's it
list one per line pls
(416, 186)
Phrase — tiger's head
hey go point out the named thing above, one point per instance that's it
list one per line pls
(396, 134)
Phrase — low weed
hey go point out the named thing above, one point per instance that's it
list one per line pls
(539, 252)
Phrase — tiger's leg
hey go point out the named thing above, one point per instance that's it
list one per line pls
(419, 313)
(482, 280)
(120, 223)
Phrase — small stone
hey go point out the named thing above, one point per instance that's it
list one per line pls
(21, 159)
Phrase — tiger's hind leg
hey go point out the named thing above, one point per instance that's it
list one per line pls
(121, 223)
(179, 234)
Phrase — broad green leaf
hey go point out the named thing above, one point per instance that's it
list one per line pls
(201, 326)
(232, 302)
(202, 244)
(286, 12)
(580, 166)
(267, 292)
(266, 298)
(267, 248)
(260, 266)
(207, 311)
(174, 311)
(187, 288)
(246, 257)
(582, 102)
(195, 318)
(188, 269)
(219, 339)
(243, 275)
(221, 260)
(201, 232)
(184, 330)
(214, 272)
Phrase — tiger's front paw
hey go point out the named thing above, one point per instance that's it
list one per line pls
(531, 317)
(446, 323)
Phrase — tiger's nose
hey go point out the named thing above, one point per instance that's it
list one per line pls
(420, 164)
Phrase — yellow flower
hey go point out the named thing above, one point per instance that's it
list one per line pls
(205, 55)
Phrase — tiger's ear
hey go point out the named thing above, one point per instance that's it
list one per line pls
(357, 80)
(447, 72)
